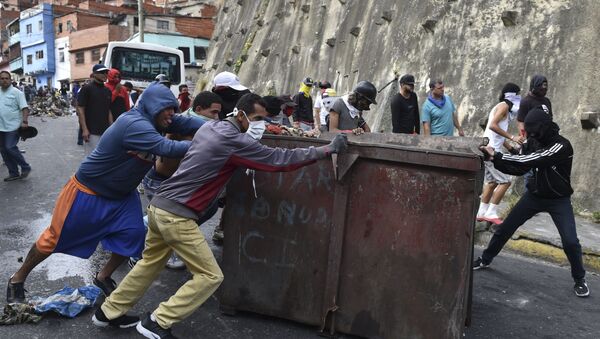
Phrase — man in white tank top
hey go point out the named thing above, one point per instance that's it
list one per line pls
(496, 182)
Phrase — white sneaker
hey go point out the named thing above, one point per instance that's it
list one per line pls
(491, 216)
(175, 263)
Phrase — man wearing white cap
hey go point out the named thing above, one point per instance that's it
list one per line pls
(227, 86)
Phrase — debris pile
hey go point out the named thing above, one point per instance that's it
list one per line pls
(296, 132)
(50, 105)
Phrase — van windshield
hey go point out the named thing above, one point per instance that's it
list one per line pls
(144, 65)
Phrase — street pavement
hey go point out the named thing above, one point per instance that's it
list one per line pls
(517, 297)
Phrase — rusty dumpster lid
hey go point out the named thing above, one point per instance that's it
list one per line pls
(461, 153)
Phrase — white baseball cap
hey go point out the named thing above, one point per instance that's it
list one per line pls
(228, 79)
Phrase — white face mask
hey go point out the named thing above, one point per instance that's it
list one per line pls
(256, 129)
(516, 101)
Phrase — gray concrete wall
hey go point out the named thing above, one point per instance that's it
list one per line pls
(470, 49)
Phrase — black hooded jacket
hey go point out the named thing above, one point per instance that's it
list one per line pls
(551, 168)
(550, 163)
(531, 101)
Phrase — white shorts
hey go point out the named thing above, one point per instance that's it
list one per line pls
(492, 175)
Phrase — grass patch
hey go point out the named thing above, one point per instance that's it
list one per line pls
(510, 200)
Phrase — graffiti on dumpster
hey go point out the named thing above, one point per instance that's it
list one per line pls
(288, 212)
(283, 260)
(305, 178)
(285, 208)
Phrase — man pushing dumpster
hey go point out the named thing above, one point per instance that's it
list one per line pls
(217, 150)
(99, 203)
(548, 190)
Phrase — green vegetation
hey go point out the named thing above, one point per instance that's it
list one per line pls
(596, 217)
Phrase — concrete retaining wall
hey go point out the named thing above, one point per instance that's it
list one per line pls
(272, 45)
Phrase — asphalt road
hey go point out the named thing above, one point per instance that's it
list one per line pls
(516, 298)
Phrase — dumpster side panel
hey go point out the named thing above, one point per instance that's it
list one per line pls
(407, 248)
(402, 267)
(275, 250)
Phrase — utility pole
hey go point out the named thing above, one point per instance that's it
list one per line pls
(141, 19)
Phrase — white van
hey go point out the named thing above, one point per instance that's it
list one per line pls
(140, 62)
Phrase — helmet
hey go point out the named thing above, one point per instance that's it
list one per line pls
(308, 81)
(163, 79)
(367, 90)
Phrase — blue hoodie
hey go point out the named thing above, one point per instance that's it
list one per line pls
(126, 151)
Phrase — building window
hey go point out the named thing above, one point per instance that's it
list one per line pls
(162, 24)
(39, 54)
(40, 27)
(79, 59)
(95, 54)
(69, 26)
(61, 55)
(186, 54)
(59, 28)
(28, 28)
(200, 52)
(29, 59)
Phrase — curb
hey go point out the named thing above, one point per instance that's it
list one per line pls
(528, 245)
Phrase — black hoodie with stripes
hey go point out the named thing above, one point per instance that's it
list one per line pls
(551, 167)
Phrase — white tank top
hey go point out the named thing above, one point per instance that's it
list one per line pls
(496, 140)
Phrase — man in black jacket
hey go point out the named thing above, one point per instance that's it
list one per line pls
(303, 112)
(536, 98)
(405, 107)
(548, 190)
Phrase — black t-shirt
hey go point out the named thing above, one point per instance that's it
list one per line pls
(304, 110)
(405, 114)
(117, 107)
(95, 98)
(530, 102)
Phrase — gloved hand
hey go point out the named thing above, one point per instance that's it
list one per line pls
(339, 144)
(488, 152)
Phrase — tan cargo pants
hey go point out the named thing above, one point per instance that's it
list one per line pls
(168, 232)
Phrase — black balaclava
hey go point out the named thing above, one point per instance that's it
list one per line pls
(537, 85)
(539, 126)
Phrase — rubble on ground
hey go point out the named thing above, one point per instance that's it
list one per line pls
(50, 106)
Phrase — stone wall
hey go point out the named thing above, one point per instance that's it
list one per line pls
(474, 46)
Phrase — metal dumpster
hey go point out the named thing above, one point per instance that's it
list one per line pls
(381, 248)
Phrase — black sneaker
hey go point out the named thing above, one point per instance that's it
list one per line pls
(151, 329)
(124, 321)
(15, 292)
(218, 236)
(25, 173)
(131, 262)
(12, 178)
(107, 285)
(581, 288)
(479, 264)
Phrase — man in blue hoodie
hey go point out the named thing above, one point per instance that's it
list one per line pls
(100, 202)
